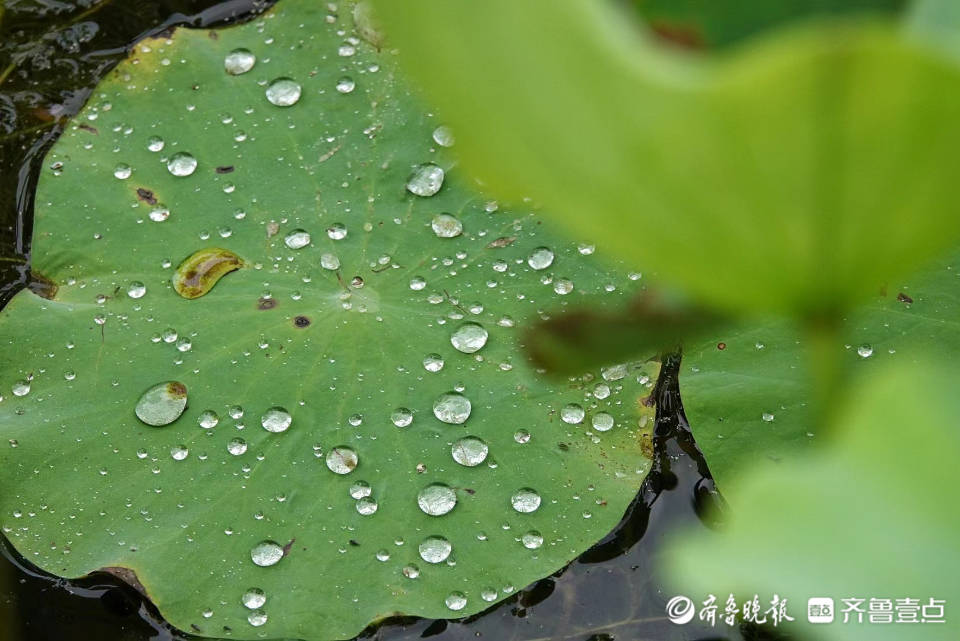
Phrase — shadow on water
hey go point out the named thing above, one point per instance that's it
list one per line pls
(51, 56)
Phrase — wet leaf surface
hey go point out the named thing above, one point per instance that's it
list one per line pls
(322, 363)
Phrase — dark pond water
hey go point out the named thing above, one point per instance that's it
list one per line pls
(52, 53)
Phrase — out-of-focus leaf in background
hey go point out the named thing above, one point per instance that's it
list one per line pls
(791, 175)
(872, 516)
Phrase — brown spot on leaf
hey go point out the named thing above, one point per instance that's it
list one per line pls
(128, 576)
(503, 241)
(146, 196)
(286, 548)
(89, 128)
(721, 346)
(301, 322)
(903, 298)
(265, 303)
(42, 286)
(224, 169)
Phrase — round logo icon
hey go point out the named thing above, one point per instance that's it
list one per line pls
(680, 610)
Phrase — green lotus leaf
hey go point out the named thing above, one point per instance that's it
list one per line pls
(277, 378)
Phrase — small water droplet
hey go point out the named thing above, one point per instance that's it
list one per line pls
(239, 61)
(155, 143)
(342, 460)
(208, 419)
(469, 451)
(433, 362)
(411, 571)
(367, 506)
(435, 549)
(182, 164)
(767, 417)
(540, 258)
(360, 489)
(452, 408)
(136, 289)
(521, 436)
(401, 417)
(179, 452)
(237, 446)
(563, 286)
(283, 92)
(865, 351)
(253, 598)
(446, 226)
(346, 84)
(437, 499)
(443, 136)
(21, 388)
(329, 261)
(426, 180)
(525, 500)
(162, 404)
(297, 239)
(456, 601)
(601, 391)
(488, 594)
(572, 414)
(266, 553)
(532, 540)
(257, 618)
(122, 171)
(337, 231)
(469, 338)
(602, 421)
(276, 419)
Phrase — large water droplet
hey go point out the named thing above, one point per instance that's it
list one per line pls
(435, 549)
(525, 500)
(253, 598)
(276, 419)
(162, 404)
(283, 92)
(572, 414)
(452, 408)
(437, 499)
(297, 239)
(469, 451)
(266, 553)
(446, 226)
(21, 388)
(426, 180)
(602, 421)
(443, 136)
(469, 338)
(456, 601)
(239, 61)
(540, 258)
(181, 164)
(342, 460)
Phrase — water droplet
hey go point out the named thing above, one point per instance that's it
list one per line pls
(443, 136)
(572, 414)
(469, 451)
(122, 171)
(155, 143)
(532, 540)
(159, 214)
(401, 417)
(437, 499)
(411, 571)
(540, 258)
(239, 61)
(21, 388)
(367, 506)
(469, 338)
(297, 239)
(237, 446)
(329, 261)
(253, 598)
(456, 601)
(283, 92)
(208, 419)
(181, 164)
(433, 362)
(266, 553)
(446, 226)
(342, 460)
(435, 549)
(235, 412)
(488, 594)
(162, 404)
(563, 286)
(521, 436)
(257, 618)
(767, 417)
(426, 180)
(865, 351)
(602, 421)
(383, 555)
(417, 283)
(614, 372)
(601, 391)
(276, 419)
(136, 289)
(346, 84)
(203, 269)
(360, 489)
(452, 408)
(179, 452)
(525, 500)
(337, 231)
